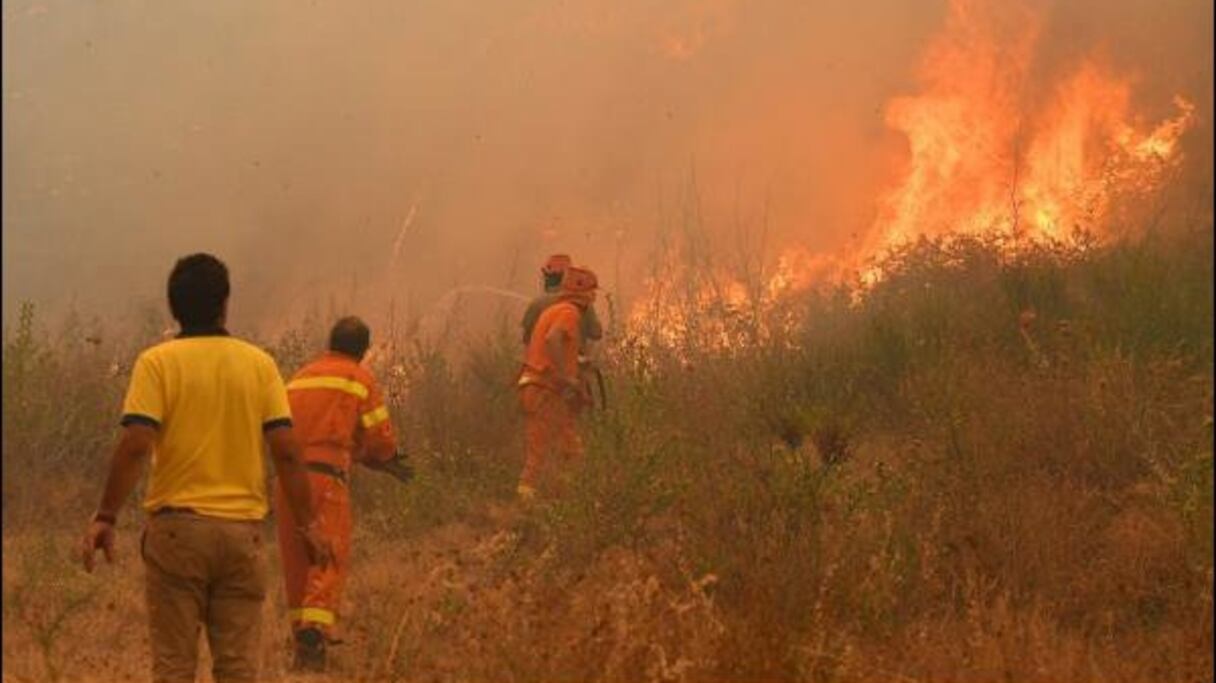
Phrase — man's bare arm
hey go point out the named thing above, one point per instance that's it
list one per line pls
(127, 464)
(125, 467)
(289, 467)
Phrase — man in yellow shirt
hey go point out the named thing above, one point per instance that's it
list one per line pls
(203, 406)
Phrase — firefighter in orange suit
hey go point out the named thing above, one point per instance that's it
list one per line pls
(549, 386)
(340, 419)
(551, 272)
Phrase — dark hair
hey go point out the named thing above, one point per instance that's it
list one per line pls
(553, 281)
(350, 336)
(198, 289)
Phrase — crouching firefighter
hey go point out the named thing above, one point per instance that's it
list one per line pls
(550, 389)
(341, 419)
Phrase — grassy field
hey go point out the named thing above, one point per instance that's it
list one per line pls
(987, 468)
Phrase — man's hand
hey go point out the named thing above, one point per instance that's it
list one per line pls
(100, 536)
(573, 393)
(397, 467)
(289, 467)
(318, 546)
(125, 466)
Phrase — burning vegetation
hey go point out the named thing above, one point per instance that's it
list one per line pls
(986, 154)
(974, 443)
(991, 150)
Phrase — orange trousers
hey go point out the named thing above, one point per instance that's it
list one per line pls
(549, 424)
(313, 593)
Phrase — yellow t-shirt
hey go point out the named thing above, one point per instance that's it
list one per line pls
(210, 399)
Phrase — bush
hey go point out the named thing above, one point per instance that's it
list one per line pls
(991, 464)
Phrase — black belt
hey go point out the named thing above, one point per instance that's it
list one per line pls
(170, 510)
(326, 469)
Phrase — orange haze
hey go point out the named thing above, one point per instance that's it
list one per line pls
(374, 156)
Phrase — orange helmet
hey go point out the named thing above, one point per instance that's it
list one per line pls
(578, 281)
(557, 263)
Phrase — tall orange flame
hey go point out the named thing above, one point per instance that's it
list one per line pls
(984, 155)
(980, 160)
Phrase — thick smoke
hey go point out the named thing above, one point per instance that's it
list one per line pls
(372, 156)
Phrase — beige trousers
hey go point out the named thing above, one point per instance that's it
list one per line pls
(204, 575)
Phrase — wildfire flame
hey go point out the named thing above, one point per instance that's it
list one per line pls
(983, 155)
(980, 161)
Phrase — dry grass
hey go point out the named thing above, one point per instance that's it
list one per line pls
(923, 487)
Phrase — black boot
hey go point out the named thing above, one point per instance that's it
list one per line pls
(310, 650)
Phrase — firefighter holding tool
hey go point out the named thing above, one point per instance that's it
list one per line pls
(550, 388)
(340, 419)
(590, 328)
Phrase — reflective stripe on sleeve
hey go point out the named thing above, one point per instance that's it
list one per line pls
(374, 417)
(349, 386)
(312, 615)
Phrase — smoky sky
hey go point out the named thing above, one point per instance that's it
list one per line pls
(380, 153)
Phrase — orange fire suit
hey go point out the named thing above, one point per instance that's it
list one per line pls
(340, 418)
(548, 417)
